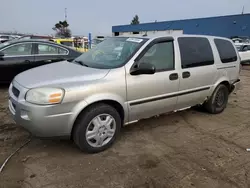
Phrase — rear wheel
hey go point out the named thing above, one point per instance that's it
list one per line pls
(97, 128)
(218, 101)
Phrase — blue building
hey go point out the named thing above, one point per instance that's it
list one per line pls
(225, 26)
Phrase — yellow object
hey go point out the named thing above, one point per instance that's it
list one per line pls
(78, 45)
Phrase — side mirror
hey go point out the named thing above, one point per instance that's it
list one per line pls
(143, 68)
(1, 54)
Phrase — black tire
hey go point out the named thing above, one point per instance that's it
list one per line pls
(218, 101)
(79, 131)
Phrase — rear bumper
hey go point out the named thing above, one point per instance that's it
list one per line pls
(235, 86)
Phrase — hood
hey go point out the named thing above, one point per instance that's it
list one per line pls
(58, 73)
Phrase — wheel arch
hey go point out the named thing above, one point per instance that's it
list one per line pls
(227, 84)
(224, 81)
(120, 107)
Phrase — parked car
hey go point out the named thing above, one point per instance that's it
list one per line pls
(244, 51)
(74, 43)
(19, 55)
(90, 99)
(5, 38)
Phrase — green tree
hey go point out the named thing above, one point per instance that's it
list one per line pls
(135, 20)
(62, 29)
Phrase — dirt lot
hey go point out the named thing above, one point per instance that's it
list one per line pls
(185, 149)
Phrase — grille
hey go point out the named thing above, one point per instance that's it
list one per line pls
(15, 91)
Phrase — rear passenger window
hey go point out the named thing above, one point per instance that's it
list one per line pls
(195, 52)
(226, 50)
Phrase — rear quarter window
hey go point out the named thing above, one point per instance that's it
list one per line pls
(195, 52)
(226, 50)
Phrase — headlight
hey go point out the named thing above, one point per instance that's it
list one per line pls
(45, 96)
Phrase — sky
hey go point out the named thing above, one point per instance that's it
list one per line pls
(98, 17)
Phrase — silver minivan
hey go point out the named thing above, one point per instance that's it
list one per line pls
(92, 97)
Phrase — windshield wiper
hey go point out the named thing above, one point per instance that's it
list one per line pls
(81, 63)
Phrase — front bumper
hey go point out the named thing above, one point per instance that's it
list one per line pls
(40, 121)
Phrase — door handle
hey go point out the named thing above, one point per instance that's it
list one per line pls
(48, 61)
(186, 74)
(173, 76)
(26, 61)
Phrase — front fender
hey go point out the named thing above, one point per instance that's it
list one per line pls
(105, 96)
(97, 98)
(109, 96)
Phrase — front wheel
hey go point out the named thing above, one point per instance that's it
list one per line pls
(218, 101)
(97, 128)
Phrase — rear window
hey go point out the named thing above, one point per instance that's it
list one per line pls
(195, 52)
(226, 50)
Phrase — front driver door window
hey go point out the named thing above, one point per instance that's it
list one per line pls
(23, 49)
(161, 55)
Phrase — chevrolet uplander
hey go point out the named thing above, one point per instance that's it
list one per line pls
(90, 98)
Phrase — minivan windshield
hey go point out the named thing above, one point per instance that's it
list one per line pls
(111, 53)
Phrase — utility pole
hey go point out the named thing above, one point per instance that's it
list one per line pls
(65, 14)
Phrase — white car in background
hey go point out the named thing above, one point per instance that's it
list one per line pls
(244, 52)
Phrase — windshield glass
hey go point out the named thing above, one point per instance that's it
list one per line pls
(111, 53)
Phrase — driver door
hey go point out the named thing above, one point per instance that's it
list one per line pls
(149, 95)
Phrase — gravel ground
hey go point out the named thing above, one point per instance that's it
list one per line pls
(184, 149)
